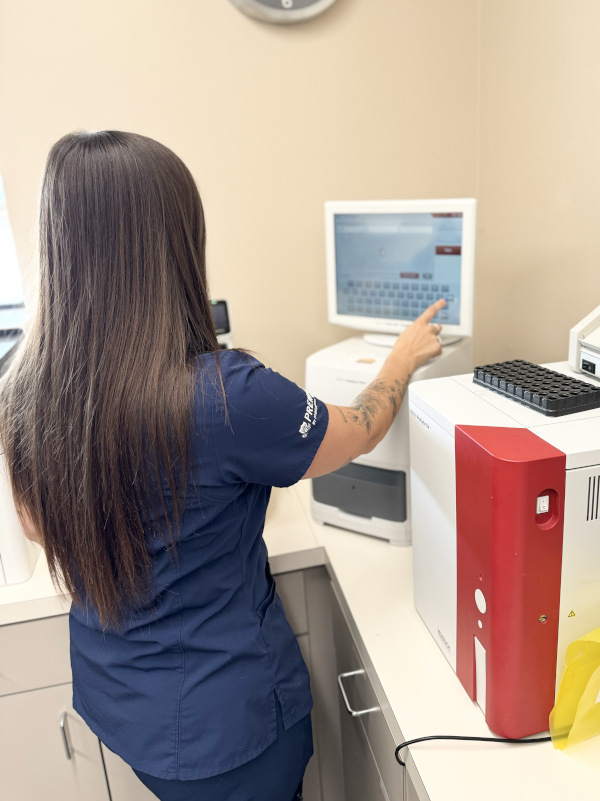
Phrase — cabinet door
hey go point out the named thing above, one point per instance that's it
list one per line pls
(414, 789)
(409, 789)
(311, 609)
(33, 749)
(367, 743)
(361, 777)
(123, 783)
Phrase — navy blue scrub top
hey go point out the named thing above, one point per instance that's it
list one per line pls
(186, 688)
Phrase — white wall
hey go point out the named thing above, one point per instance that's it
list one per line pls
(539, 185)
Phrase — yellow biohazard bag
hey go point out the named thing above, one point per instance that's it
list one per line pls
(576, 713)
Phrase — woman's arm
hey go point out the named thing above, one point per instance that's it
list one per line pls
(357, 429)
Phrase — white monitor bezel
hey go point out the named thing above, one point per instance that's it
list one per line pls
(468, 207)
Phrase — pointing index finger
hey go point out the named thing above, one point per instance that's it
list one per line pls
(430, 313)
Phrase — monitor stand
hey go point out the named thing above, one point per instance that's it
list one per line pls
(389, 340)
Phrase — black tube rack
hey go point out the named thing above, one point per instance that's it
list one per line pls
(539, 388)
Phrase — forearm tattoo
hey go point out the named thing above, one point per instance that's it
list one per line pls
(380, 395)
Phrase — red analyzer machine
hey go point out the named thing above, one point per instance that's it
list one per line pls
(505, 485)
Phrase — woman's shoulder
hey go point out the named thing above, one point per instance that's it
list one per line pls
(225, 373)
(224, 364)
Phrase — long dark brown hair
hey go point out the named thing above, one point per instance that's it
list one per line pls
(95, 413)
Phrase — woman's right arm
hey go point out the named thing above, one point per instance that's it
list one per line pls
(357, 429)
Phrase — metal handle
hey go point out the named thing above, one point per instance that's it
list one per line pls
(354, 712)
(65, 738)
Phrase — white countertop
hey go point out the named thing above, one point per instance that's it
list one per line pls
(33, 599)
(425, 696)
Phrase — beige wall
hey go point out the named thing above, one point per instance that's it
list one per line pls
(539, 176)
(374, 99)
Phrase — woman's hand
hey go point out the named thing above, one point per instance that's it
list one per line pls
(419, 342)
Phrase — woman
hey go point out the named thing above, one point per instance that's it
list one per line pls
(142, 458)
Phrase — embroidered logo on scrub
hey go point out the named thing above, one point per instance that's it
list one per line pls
(310, 415)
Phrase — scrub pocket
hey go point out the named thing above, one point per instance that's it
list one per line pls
(270, 597)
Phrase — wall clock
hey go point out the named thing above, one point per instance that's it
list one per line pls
(282, 11)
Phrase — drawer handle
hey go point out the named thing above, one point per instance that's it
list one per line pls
(65, 738)
(354, 712)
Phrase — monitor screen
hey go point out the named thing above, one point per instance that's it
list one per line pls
(220, 316)
(388, 260)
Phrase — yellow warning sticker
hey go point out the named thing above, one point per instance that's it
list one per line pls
(571, 613)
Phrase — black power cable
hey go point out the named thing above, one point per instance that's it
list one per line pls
(470, 739)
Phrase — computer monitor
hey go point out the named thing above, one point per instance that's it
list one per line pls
(388, 260)
(220, 318)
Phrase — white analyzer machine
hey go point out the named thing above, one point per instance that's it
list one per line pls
(18, 555)
(370, 495)
(584, 345)
(387, 261)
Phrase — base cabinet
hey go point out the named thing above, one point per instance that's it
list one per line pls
(410, 790)
(46, 750)
(370, 767)
(124, 785)
(361, 776)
